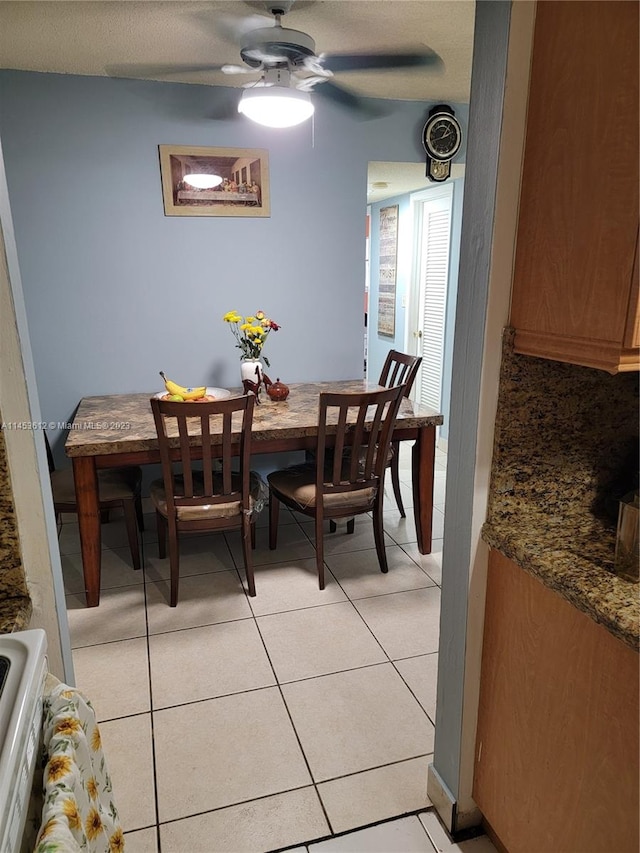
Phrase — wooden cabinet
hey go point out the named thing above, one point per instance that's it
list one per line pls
(556, 765)
(575, 288)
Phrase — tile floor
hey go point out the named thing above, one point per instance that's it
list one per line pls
(233, 724)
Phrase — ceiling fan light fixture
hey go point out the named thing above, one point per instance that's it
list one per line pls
(202, 181)
(276, 106)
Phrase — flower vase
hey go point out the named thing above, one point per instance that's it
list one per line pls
(251, 369)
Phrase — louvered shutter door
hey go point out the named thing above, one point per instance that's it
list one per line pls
(434, 278)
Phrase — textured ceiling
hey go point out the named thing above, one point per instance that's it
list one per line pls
(95, 38)
(117, 38)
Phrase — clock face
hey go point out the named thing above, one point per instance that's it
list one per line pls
(442, 136)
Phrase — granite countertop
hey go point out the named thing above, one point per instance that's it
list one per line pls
(15, 604)
(123, 423)
(573, 562)
(15, 613)
(564, 446)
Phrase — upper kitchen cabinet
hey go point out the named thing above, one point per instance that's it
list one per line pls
(575, 288)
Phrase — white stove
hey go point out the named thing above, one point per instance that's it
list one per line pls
(23, 669)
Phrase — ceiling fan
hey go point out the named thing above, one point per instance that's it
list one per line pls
(287, 60)
(289, 70)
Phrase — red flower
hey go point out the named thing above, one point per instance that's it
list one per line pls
(274, 326)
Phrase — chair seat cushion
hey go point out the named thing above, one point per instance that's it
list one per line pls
(209, 511)
(298, 484)
(114, 484)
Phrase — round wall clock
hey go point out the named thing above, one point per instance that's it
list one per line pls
(442, 136)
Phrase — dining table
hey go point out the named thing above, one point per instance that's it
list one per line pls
(118, 429)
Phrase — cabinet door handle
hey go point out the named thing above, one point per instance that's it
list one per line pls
(417, 334)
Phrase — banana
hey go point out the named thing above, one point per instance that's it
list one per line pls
(179, 390)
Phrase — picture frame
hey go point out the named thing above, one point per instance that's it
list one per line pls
(387, 269)
(223, 181)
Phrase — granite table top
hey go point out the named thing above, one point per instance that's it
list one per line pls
(123, 423)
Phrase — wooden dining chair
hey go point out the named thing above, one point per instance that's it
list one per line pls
(117, 487)
(190, 500)
(347, 479)
(398, 369)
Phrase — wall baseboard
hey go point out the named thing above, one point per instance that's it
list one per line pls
(455, 820)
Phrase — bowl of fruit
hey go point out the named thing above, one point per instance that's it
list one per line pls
(187, 394)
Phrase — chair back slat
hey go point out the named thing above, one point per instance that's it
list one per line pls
(400, 369)
(363, 429)
(207, 461)
(226, 453)
(188, 427)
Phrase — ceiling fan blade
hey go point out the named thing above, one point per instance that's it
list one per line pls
(421, 58)
(234, 29)
(364, 107)
(237, 69)
(150, 72)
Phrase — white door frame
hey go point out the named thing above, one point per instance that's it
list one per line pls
(417, 200)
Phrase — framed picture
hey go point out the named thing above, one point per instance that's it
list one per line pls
(214, 181)
(387, 263)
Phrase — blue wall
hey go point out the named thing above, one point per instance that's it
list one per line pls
(115, 291)
(379, 345)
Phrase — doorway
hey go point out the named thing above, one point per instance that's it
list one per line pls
(426, 276)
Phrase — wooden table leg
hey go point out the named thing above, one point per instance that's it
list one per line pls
(422, 466)
(86, 483)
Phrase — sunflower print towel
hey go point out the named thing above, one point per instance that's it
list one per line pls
(78, 812)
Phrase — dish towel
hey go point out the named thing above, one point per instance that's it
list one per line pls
(78, 813)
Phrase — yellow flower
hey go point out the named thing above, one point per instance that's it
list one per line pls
(92, 788)
(47, 829)
(116, 842)
(251, 333)
(67, 726)
(93, 825)
(59, 766)
(96, 742)
(70, 811)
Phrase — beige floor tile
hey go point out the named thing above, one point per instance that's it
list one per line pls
(406, 492)
(359, 573)
(198, 555)
(429, 563)
(406, 835)
(403, 530)
(291, 586)
(421, 675)
(202, 600)
(404, 623)
(116, 570)
(150, 532)
(375, 795)
(119, 616)
(293, 546)
(128, 752)
(443, 844)
(357, 720)
(115, 677)
(142, 841)
(112, 535)
(342, 542)
(224, 751)
(253, 827)
(202, 663)
(317, 641)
